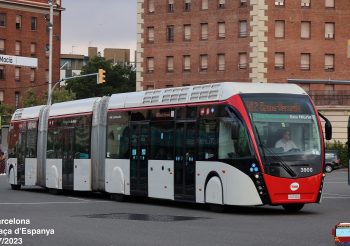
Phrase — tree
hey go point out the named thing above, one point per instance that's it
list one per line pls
(29, 99)
(6, 112)
(119, 79)
(62, 95)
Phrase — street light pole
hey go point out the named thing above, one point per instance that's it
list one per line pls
(50, 2)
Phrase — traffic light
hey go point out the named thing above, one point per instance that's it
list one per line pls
(101, 76)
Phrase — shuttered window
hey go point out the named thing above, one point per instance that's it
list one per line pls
(204, 4)
(221, 30)
(243, 31)
(2, 46)
(187, 32)
(243, 63)
(329, 30)
(279, 60)
(150, 64)
(279, 29)
(151, 6)
(305, 61)
(204, 62)
(32, 74)
(329, 62)
(329, 3)
(151, 34)
(305, 3)
(18, 48)
(221, 62)
(170, 64)
(305, 29)
(204, 31)
(187, 63)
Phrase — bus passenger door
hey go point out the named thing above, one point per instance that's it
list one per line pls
(185, 159)
(139, 138)
(68, 158)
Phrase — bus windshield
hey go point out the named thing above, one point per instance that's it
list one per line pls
(287, 133)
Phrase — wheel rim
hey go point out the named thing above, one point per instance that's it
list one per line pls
(328, 169)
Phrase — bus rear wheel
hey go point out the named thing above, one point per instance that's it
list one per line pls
(293, 208)
(15, 187)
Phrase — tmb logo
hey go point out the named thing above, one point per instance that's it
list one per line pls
(294, 186)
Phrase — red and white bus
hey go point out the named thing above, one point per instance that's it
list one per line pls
(223, 144)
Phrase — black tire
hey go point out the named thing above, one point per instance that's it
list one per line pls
(217, 208)
(293, 208)
(15, 187)
(54, 191)
(119, 197)
(328, 168)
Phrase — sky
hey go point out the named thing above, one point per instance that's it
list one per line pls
(98, 23)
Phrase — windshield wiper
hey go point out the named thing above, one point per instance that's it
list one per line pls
(276, 158)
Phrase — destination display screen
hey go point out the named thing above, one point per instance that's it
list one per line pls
(342, 232)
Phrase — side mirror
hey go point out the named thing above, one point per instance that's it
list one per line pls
(235, 130)
(328, 130)
(333, 232)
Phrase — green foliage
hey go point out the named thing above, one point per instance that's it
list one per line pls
(62, 95)
(119, 79)
(29, 99)
(342, 150)
(6, 112)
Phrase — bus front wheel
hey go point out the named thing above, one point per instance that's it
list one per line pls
(293, 208)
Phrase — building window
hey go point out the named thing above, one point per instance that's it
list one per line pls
(33, 24)
(1, 97)
(170, 33)
(221, 4)
(2, 20)
(221, 30)
(305, 61)
(18, 48)
(221, 62)
(243, 61)
(32, 49)
(243, 31)
(279, 61)
(204, 31)
(329, 30)
(149, 87)
(151, 6)
(17, 96)
(170, 64)
(18, 21)
(187, 32)
(279, 2)
(243, 3)
(17, 73)
(187, 6)
(187, 63)
(170, 6)
(305, 29)
(32, 75)
(2, 46)
(279, 29)
(47, 75)
(205, 4)
(329, 62)
(329, 4)
(305, 3)
(150, 32)
(2, 72)
(150, 64)
(203, 63)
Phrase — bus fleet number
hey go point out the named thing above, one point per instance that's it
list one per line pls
(306, 170)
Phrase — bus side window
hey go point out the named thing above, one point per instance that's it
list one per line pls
(208, 139)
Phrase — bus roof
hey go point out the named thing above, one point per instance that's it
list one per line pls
(198, 93)
(27, 113)
(73, 107)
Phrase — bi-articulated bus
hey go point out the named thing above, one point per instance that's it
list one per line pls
(222, 144)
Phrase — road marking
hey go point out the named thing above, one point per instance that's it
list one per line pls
(332, 194)
(335, 197)
(79, 199)
(335, 182)
(46, 203)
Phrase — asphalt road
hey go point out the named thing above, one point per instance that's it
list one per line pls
(93, 219)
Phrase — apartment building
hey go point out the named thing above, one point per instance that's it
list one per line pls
(24, 42)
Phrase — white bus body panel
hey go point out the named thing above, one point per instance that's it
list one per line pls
(238, 188)
(117, 176)
(54, 173)
(161, 179)
(213, 191)
(13, 174)
(82, 174)
(30, 171)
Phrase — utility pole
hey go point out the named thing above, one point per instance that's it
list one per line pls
(50, 2)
